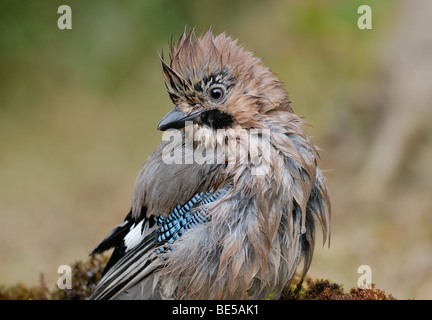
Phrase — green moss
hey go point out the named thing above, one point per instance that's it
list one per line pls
(323, 289)
(86, 274)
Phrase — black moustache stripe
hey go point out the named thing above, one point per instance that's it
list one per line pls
(216, 119)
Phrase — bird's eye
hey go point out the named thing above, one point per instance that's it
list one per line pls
(217, 94)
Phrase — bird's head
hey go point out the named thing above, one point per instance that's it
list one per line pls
(216, 83)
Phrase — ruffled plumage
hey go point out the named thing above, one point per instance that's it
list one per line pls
(235, 227)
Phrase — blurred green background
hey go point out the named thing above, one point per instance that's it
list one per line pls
(79, 110)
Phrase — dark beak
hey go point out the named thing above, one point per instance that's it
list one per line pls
(176, 119)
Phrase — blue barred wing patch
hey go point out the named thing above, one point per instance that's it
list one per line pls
(185, 217)
(146, 241)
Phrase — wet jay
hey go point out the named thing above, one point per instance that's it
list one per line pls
(226, 206)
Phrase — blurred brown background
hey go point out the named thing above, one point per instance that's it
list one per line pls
(79, 110)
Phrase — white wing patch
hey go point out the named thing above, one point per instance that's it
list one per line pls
(134, 236)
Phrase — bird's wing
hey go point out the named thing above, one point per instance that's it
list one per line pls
(140, 246)
(124, 237)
